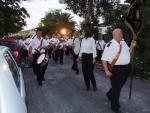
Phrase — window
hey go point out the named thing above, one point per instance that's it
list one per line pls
(11, 45)
(13, 68)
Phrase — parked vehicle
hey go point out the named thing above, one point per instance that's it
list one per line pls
(13, 46)
(12, 88)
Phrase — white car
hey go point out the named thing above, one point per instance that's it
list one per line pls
(12, 89)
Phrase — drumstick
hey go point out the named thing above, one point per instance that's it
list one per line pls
(32, 38)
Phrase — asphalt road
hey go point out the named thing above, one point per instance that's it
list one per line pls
(64, 92)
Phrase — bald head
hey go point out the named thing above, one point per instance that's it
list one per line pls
(117, 34)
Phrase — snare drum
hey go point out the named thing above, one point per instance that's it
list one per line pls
(40, 58)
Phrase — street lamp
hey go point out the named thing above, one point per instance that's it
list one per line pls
(63, 31)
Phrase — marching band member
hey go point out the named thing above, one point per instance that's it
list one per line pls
(76, 50)
(37, 47)
(100, 44)
(88, 55)
(26, 51)
(55, 52)
(61, 51)
(117, 55)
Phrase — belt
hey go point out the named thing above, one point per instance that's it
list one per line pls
(121, 66)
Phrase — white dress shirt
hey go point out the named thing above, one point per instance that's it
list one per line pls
(26, 44)
(111, 50)
(100, 44)
(35, 43)
(20, 43)
(88, 46)
(54, 41)
(76, 45)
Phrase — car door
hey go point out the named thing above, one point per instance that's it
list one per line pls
(14, 92)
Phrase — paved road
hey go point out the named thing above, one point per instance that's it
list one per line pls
(64, 92)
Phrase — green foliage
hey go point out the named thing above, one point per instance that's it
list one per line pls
(91, 10)
(12, 16)
(142, 67)
(55, 20)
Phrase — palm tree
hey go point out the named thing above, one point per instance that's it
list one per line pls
(55, 20)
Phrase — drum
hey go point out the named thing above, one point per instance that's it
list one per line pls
(43, 59)
(40, 58)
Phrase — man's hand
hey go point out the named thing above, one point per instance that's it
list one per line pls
(78, 59)
(94, 61)
(39, 47)
(133, 44)
(108, 73)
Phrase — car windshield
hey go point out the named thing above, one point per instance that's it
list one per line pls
(11, 45)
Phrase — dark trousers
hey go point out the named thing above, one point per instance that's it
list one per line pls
(75, 63)
(67, 51)
(24, 53)
(40, 72)
(99, 55)
(61, 55)
(55, 55)
(35, 57)
(50, 52)
(87, 69)
(118, 79)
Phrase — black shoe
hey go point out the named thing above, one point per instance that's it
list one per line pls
(116, 110)
(88, 88)
(95, 89)
(73, 69)
(108, 96)
(43, 79)
(40, 83)
(77, 72)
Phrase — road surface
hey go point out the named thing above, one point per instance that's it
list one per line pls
(64, 92)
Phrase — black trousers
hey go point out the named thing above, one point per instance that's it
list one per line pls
(34, 63)
(24, 53)
(87, 69)
(99, 55)
(50, 52)
(75, 63)
(55, 55)
(61, 56)
(67, 51)
(40, 72)
(118, 79)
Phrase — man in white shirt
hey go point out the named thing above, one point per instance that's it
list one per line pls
(54, 41)
(61, 51)
(25, 51)
(37, 47)
(117, 54)
(76, 50)
(100, 44)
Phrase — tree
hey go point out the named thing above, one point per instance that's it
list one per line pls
(56, 20)
(12, 16)
(91, 10)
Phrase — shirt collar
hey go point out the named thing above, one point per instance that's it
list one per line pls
(113, 40)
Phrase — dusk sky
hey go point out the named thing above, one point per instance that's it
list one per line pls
(38, 8)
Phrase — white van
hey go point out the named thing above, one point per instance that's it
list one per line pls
(12, 89)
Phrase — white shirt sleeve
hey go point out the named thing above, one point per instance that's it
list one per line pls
(81, 48)
(106, 54)
(45, 42)
(94, 49)
(32, 43)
